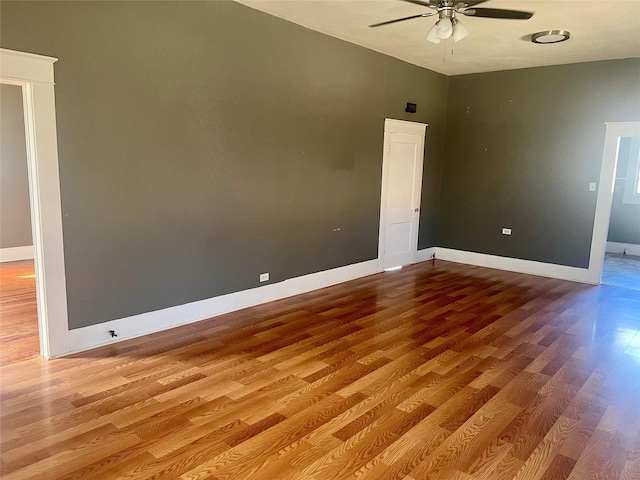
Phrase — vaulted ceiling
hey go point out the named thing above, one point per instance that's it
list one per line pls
(600, 30)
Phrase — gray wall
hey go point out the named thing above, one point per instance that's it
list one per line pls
(521, 148)
(624, 224)
(15, 213)
(203, 143)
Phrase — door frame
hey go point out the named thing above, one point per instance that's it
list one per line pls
(614, 130)
(404, 127)
(34, 75)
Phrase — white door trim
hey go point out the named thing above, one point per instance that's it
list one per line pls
(614, 131)
(34, 74)
(394, 126)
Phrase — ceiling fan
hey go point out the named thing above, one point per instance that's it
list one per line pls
(448, 25)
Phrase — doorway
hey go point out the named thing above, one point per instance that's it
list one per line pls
(607, 265)
(402, 162)
(19, 335)
(33, 74)
(622, 254)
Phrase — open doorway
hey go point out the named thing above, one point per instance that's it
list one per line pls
(33, 75)
(19, 336)
(622, 255)
(620, 138)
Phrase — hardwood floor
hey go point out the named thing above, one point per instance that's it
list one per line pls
(437, 371)
(18, 314)
(621, 271)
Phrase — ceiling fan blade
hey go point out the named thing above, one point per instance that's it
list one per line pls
(424, 4)
(497, 13)
(472, 3)
(402, 19)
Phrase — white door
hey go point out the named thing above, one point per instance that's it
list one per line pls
(401, 189)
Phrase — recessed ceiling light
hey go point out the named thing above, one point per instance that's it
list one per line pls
(550, 36)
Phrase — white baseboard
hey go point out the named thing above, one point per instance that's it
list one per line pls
(615, 247)
(426, 254)
(146, 323)
(93, 336)
(531, 267)
(13, 254)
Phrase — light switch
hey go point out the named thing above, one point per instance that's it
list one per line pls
(592, 187)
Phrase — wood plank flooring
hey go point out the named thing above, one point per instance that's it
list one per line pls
(437, 371)
(18, 313)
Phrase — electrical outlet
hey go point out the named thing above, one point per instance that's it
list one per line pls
(506, 231)
(264, 277)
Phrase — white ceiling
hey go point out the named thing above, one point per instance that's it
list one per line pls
(600, 30)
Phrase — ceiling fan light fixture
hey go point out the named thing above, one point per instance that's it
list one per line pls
(432, 34)
(459, 31)
(449, 26)
(550, 36)
(444, 28)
